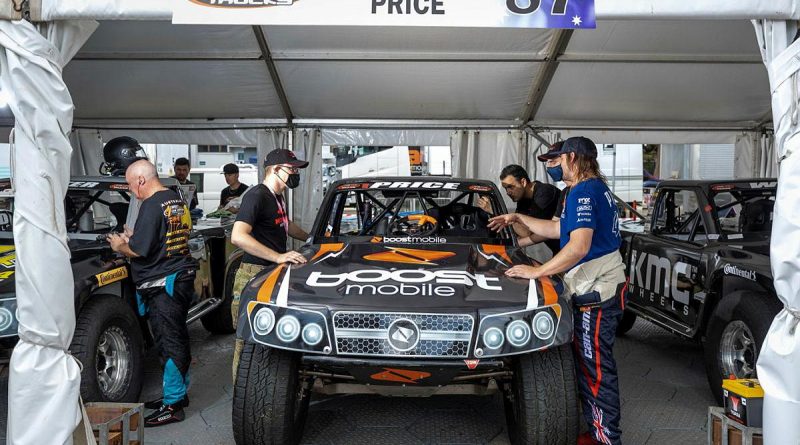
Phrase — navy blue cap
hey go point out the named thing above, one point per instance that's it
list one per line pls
(578, 145)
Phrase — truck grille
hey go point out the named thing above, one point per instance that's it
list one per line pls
(435, 335)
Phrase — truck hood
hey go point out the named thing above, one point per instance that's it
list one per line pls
(441, 277)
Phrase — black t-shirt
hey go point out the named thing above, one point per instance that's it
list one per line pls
(161, 238)
(266, 213)
(227, 194)
(542, 206)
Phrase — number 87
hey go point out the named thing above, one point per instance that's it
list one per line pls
(559, 7)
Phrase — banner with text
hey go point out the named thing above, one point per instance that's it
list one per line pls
(571, 14)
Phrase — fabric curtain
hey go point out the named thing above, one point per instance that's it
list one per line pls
(269, 140)
(87, 152)
(307, 198)
(44, 381)
(779, 357)
(755, 156)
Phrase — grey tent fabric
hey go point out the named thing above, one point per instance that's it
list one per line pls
(307, 198)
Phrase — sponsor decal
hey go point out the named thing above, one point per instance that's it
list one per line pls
(472, 364)
(6, 275)
(415, 185)
(400, 375)
(402, 282)
(479, 188)
(586, 325)
(730, 269)
(584, 200)
(409, 256)
(9, 261)
(240, 4)
(722, 187)
(353, 186)
(654, 277)
(415, 240)
(112, 276)
(584, 208)
(763, 185)
(376, 239)
(118, 186)
(83, 185)
(403, 335)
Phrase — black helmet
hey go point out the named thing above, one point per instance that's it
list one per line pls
(119, 153)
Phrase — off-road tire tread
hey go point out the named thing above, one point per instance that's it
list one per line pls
(219, 321)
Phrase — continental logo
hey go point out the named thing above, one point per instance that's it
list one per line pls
(243, 4)
(112, 276)
(409, 256)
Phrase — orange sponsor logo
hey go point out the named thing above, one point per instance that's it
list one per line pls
(409, 256)
(400, 376)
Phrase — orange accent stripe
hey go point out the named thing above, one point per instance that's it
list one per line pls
(497, 250)
(409, 256)
(328, 248)
(598, 371)
(550, 295)
(250, 306)
(265, 293)
(557, 310)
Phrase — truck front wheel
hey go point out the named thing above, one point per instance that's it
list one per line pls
(270, 401)
(541, 402)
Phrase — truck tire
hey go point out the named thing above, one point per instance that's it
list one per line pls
(269, 402)
(626, 323)
(219, 320)
(734, 336)
(108, 342)
(541, 403)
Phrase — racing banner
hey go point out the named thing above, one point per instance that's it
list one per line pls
(571, 14)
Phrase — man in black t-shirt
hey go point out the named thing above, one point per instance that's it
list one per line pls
(263, 227)
(163, 271)
(182, 169)
(533, 198)
(234, 189)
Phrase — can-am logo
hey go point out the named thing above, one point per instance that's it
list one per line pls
(243, 3)
(402, 282)
(733, 270)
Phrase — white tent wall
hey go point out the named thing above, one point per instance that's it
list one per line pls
(87, 152)
(44, 381)
(779, 357)
(755, 156)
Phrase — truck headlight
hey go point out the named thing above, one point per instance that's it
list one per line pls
(543, 325)
(518, 333)
(6, 319)
(493, 338)
(288, 328)
(312, 334)
(264, 321)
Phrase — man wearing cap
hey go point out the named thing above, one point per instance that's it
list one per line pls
(234, 189)
(594, 276)
(262, 227)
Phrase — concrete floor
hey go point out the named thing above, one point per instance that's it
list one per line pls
(665, 398)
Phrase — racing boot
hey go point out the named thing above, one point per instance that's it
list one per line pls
(164, 415)
(156, 404)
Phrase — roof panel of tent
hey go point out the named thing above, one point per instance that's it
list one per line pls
(656, 93)
(376, 42)
(164, 40)
(171, 89)
(716, 38)
(406, 90)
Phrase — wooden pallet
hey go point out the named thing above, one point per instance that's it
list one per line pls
(735, 432)
(117, 423)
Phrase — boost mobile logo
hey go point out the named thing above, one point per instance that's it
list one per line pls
(243, 3)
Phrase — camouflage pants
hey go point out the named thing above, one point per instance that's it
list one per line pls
(245, 273)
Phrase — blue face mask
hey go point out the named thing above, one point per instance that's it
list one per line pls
(556, 173)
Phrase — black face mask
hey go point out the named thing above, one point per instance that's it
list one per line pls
(293, 181)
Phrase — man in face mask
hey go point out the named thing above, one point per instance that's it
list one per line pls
(262, 227)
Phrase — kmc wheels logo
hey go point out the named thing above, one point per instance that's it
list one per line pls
(242, 4)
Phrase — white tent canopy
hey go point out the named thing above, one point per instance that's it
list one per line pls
(646, 74)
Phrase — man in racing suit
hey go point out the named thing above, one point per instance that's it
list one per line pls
(163, 271)
(595, 278)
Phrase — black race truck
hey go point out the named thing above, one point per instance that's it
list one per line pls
(404, 294)
(110, 336)
(701, 270)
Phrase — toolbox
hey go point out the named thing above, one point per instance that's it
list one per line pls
(724, 431)
(744, 401)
